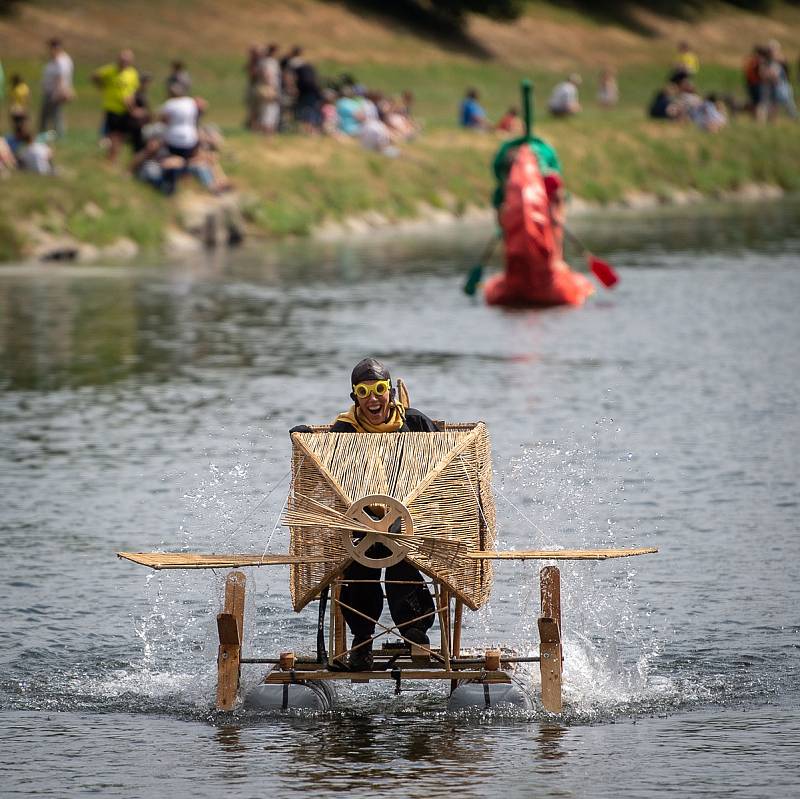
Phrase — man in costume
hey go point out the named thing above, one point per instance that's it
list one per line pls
(378, 407)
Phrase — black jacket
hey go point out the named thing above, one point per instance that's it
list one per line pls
(416, 422)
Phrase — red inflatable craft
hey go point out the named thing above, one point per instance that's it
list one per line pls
(535, 273)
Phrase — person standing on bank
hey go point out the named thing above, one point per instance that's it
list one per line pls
(57, 89)
(118, 83)
(377, 408)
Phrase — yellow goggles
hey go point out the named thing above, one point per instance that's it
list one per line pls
(379, 388)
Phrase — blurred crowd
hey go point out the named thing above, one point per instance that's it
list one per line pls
(285, 94)
(767, 81)
(166, 141)
(169, 137)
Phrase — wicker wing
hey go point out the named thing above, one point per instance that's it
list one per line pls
(444, 479)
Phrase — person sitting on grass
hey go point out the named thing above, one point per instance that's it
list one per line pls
(510, 123)
(471, 115)
(564, 101)
(710, 116)
(349, 111)
(687, 100)
(7, 161)
(34, 155)
(159, 167)
(329, 114)
(118, 83)
(377, 408)
(180, 114)
(665, 103)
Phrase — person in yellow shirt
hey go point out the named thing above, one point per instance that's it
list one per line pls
(687, 59)
(118, 83)
(19, 96)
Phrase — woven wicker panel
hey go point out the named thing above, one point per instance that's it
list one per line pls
(443, 478)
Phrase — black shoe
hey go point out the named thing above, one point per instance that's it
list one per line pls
(416, 635)
(361, 659)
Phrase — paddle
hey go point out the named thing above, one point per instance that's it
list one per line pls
(601, 269)
(476, 273)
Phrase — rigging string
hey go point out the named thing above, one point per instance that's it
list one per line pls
(283, 507)
(252, 510)
(528, 599)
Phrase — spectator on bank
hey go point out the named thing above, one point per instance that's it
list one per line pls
(349, 111)
(607, 89)
(329, 114)
(162, 169)
(289, 90)
(687, 59)
(688, 101)
(268, 91)
(57, 88)
(210, 147)
(309, 95)
(251, 69)
(776, 87)
(664, 105)
(510, 123)
(118, 83)
(753, 67)
(7, 161)
(180, 115)
(19, 96)
(564, 100)
(33, 154)
(471, 114)
(178, 74)
(710, 115)
(402, 126)
(375, 135)
(141, 112)
(14, 138)
(406, 105)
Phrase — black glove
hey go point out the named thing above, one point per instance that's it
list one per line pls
(300, 428)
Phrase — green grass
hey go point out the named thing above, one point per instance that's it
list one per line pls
(290, 183)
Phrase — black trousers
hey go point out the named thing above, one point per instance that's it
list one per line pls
(406, 602)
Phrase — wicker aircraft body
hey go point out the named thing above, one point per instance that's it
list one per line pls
(426, 498)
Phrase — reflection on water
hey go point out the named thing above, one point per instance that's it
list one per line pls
(67, 327)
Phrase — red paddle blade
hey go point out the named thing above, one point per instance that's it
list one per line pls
(603, 271)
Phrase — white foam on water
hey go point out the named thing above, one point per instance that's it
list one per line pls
(570, 493)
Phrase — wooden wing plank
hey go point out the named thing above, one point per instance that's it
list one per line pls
(193, 560)
(561, 554)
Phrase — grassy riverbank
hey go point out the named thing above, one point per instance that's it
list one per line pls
(290, 184)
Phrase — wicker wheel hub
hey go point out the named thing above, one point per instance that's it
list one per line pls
(395, 512)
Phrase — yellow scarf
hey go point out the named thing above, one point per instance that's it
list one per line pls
(397, 418)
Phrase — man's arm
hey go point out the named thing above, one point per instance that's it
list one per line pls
(418, 422)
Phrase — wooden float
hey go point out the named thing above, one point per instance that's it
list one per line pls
(432, 493)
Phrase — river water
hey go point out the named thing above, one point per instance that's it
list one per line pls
(147, 407)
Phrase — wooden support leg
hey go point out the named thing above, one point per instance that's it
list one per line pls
(550, 639)
(339, 628)
(443, 602)
(458, 614)
(230, 624)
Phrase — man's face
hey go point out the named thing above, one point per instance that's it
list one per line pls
(374, 408)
